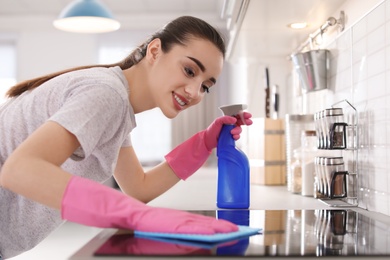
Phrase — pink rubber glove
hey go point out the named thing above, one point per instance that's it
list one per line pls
(190, 155)
(90, 203)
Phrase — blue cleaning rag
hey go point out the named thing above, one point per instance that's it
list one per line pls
(243, 231)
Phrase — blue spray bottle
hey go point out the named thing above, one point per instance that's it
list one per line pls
(233, 167)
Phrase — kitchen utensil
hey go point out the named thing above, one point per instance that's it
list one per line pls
(275, 101)
(267, 94)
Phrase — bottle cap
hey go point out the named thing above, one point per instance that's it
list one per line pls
(234, 110)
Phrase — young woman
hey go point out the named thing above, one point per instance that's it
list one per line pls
(65, 133)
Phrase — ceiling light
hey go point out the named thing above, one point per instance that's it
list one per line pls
(299, 25)
(86, 16)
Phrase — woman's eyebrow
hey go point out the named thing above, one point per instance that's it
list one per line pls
(200, 64)
(202, 67)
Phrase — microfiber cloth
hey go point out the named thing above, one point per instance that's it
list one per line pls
(243, 231)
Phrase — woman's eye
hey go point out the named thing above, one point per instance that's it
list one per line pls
(189, 72)
(205, 89)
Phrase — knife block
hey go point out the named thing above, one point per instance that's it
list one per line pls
(274, 227)
(266, 151)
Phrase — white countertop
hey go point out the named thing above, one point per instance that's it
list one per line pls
(197, 193)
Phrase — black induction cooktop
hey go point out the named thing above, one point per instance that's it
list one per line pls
(293, 233)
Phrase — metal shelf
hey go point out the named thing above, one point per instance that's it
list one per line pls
(350, 157)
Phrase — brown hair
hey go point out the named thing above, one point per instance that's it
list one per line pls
(178, 31)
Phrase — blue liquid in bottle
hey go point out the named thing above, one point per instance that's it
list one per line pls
(233, 173)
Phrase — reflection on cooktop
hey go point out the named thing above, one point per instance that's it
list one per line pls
(285, 233)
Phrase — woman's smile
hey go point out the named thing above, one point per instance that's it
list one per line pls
(179, 101)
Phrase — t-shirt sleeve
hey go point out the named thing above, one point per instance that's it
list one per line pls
(93, 114)
(127, 141)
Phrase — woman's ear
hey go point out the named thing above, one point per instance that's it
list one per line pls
(154, 49)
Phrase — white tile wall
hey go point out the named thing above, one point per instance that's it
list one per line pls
(360, 73)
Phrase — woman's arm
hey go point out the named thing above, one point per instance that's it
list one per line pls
(33, 169)
(144, 186)
(180, 163)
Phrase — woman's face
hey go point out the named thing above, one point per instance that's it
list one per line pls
(181, 77)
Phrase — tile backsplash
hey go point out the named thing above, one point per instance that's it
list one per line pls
(360, 73)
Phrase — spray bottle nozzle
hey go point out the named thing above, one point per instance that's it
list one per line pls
(234, 110)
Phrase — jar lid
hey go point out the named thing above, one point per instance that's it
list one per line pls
(308, 133)
(335, 111)
(333, 161)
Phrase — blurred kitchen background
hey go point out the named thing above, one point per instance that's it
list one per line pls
(258, 39)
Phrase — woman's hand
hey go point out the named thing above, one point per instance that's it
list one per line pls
(189, 156)
(213, 131)
(90, 203)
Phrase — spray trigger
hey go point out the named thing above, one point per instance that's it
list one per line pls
(234, 110)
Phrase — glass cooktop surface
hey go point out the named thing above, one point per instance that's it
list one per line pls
(284, 233)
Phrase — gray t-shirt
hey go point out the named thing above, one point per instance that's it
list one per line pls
(93, 104)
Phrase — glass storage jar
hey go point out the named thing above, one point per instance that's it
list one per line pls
(296, 171)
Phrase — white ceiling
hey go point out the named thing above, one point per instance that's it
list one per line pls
(120, 7)
(263, 32)
(131, 13)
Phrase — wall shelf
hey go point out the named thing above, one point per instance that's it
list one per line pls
(349, 152)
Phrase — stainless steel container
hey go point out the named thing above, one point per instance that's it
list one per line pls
(312, 68)
(294, 124)
(336, 129)
(333, 169)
